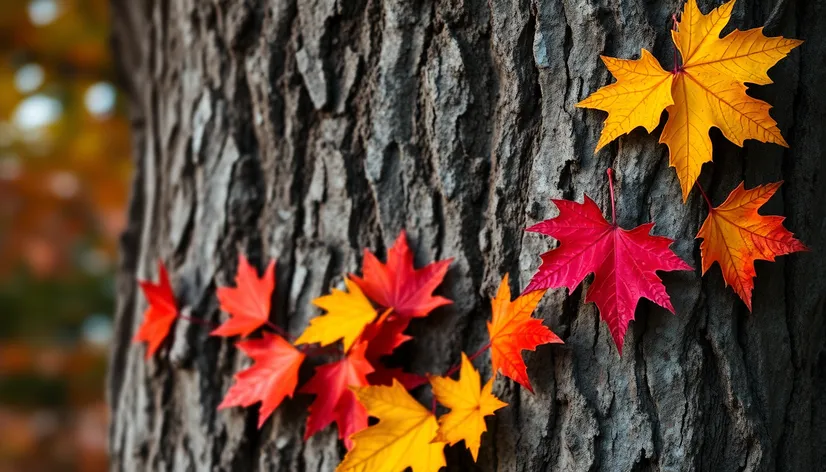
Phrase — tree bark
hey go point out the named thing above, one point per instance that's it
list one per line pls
(306, 130)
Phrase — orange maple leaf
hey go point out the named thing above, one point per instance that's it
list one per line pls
(735, 235)
(160, 314)
(512, 330)
(248, 303)
(273, 375)
(707, 90)
(397, 285)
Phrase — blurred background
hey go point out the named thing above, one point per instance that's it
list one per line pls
(64, 174)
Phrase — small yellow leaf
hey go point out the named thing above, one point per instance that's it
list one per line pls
(347, 315)
(403, 437)
(468, 406)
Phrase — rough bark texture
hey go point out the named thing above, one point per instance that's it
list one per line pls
(306, 130)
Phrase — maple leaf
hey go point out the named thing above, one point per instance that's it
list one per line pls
(160, 314)
(405, 435)
(512, 330)
(386, 375)
(707, 90)
(624, 262)
(273, 375)
(248, 303)
(468, 406)
(397, 285)
(735, 235)
(334, 400)
(384, 335)
(348, 313)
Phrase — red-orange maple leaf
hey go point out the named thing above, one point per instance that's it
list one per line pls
(160, 314)
(735, 235)
(397, 285)
(624, 263)
(513, 330)
(273, 375)
(248, 303)
(334, 400)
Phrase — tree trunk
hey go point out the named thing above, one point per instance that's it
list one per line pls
(306, 130)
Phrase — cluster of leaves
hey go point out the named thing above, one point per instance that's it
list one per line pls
(363, 324)
(366, 321)
(708, 89)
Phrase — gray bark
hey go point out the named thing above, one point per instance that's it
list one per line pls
(306, 130)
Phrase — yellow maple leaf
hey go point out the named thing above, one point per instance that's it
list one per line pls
(468, 406)
(735, 235)
(405, 435)
(347, 315)
(707, 90)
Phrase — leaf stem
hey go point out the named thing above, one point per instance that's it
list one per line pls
(705, 197)
(610, 173)
(458, 366)
(279, 330)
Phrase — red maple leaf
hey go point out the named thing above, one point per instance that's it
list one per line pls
(248, 303)
(624, 262)
(273, 375)
(397, 285)
(160, 314)
(385, 376)
(384, 335)
(334, 400)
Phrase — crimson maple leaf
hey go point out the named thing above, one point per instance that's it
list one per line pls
(624, 262)
(273, 375)
(160, 314)
(384, 335)
(386, 375)
(248, 303)
(398, 285)
(334, 400)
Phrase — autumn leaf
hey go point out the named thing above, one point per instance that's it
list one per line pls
(403, 437)
(735, 235)
(248, 303)
(469, 403)
(335, 401)
(384, 335)
(512, 330)
(387, 375)
(624, 262)
(397, 285)
(160, 314)
(273, 375)
(348, 313)
(707, 90)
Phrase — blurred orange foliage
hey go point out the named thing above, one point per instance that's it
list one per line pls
(64, 178)
(64, 150)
